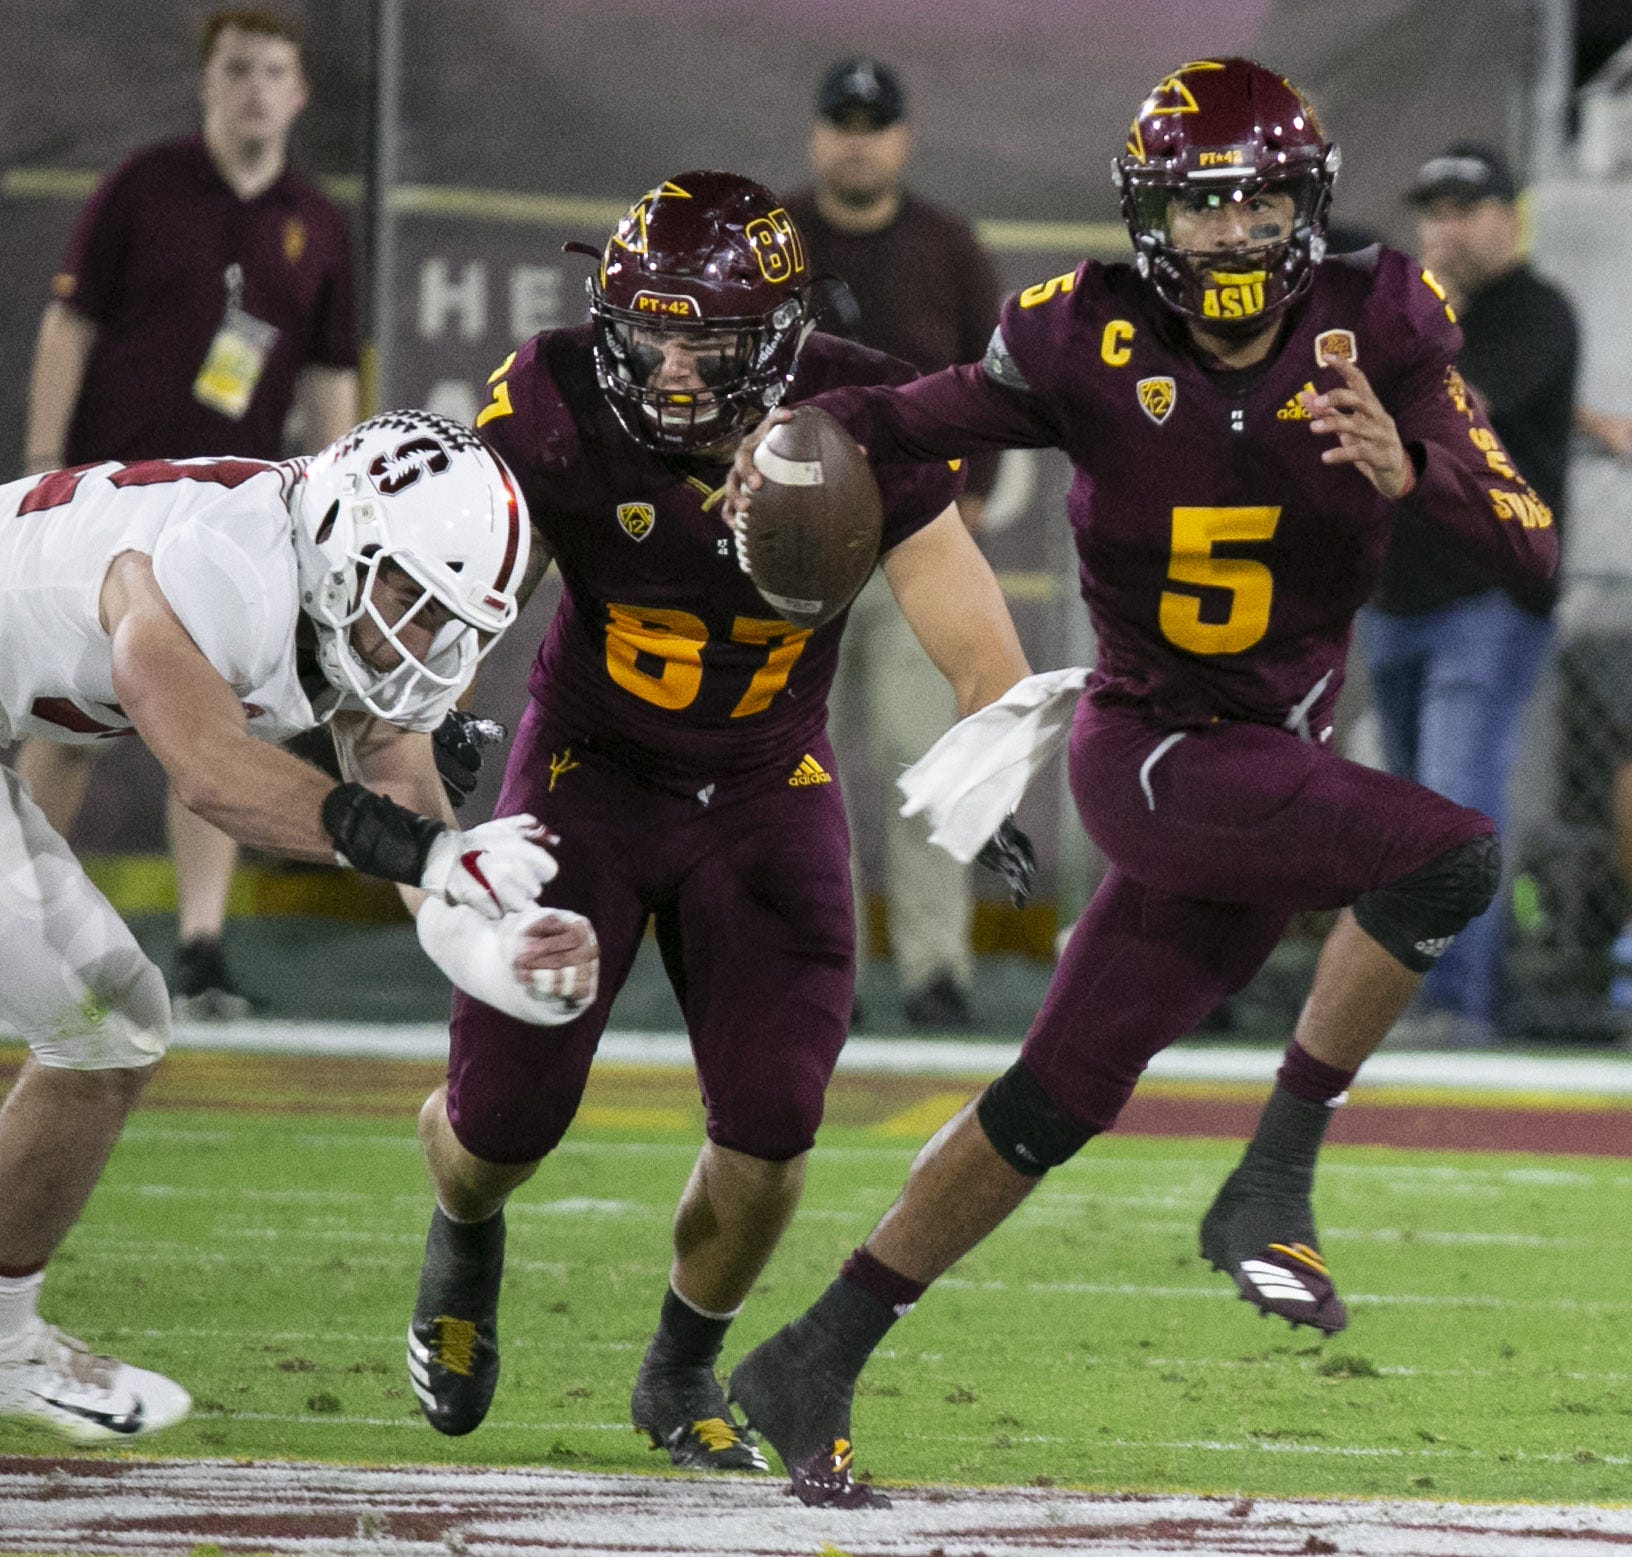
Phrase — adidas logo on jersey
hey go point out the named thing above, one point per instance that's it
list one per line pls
(1293, 410)
(810, 771)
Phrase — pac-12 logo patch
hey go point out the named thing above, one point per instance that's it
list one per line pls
(637, 519)
(1336, 343)
(1157, 396)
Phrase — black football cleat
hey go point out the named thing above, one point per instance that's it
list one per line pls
(453, 1337)
(682, 1409)
(797, 1398)
(1264, 1241)
(824, 1481)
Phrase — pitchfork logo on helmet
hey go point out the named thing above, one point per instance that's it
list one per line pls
(423, 495)
(1226, 181)
(708, 271)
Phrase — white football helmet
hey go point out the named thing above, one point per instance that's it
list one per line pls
(427, 495)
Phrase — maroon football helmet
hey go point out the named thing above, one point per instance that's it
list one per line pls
(714, 262)
(1213, 134)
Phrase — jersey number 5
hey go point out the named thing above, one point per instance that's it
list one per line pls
(657, 654)
(1191, 563)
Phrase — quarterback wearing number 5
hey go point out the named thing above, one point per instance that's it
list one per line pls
(1245, 415)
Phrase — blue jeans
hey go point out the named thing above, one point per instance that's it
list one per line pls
(1450, 688)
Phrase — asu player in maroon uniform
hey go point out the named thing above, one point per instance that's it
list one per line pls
(674, 740)
(1242, 418)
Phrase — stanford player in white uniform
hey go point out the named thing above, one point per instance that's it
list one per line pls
(212, 607)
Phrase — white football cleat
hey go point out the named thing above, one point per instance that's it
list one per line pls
(56, 1382)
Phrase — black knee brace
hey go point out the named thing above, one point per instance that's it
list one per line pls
(1416, 918)
(1025, 1128)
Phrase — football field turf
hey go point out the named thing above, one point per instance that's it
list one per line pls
(258, 1233)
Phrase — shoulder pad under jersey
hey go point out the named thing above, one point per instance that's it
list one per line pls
(1407, 301)
(537, 396)
(1043, 326)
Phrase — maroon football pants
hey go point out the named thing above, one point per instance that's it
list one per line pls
(749, 888)
(1216, 837)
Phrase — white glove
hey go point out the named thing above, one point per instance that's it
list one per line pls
(496, 868)
(479, 955)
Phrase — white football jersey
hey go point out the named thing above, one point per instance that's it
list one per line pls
(218, 531)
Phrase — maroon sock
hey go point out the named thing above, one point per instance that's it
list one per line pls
(1313, 1080)
(19, 1272)
(888, 1287)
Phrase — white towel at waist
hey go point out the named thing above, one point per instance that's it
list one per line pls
(974, 776)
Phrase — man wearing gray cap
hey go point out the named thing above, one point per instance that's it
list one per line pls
(1453, 654)
(920, 288)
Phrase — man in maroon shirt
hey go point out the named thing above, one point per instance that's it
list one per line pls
(919, 287)
(674, 741)
(1242, 419)
(207, 290)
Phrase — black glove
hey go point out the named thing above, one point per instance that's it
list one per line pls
(458, 743)
(1010, 853)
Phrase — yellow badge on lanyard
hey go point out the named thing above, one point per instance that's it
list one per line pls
(237, 356)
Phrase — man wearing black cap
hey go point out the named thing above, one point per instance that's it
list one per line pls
(922, 289)
(1453, 654)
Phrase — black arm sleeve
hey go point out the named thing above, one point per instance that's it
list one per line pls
(377, 836)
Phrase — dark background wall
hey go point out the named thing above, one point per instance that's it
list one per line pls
(526, 123)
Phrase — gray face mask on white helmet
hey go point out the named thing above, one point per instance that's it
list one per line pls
(421, 495)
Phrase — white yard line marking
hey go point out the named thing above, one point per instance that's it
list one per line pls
(1610, 1076)
(1144, 1293)
(133, 1507)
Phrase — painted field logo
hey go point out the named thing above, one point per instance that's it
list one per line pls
(1157, 396)
(637, 519)
(809, 771)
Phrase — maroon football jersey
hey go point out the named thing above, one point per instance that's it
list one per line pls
(662, 652)
(1221, 560)
(149, 263)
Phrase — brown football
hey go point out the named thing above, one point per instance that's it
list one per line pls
(812, 531)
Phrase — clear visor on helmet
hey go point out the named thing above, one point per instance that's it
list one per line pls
(681, 377)
(1203, 219)
(688, 385)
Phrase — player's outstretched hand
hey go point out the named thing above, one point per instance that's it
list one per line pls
(1012, 855)
(457, 746)
(496, 868)
(744, 478)
(540, 966)
(1366, 435)
(558, 955)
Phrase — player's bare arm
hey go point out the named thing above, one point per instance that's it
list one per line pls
(1366, 435)
(539, 558)
(193, 723)
(951, 600)
(191, 720)
(60, 354)
(328, 399)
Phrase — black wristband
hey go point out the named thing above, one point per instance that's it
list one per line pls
(376, 835)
